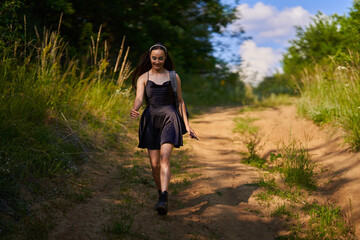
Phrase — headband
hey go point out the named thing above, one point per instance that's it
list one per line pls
(158, 45)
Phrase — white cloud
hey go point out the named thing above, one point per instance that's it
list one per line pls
(266, 22)
(266, 25)
(258, 62)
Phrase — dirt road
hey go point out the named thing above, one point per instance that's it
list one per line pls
(216, 199)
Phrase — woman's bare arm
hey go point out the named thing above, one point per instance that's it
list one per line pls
(140, 90)
(182, 106)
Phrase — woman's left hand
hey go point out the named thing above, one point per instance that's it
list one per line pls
(192, 133)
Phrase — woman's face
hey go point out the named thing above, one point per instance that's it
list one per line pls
(157, 58)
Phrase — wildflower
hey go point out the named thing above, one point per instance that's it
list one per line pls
(118, 91)
(341, 68)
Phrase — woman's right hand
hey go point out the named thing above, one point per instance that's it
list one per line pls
(134, 114)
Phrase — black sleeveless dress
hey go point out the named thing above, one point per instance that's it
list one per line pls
(160, 122)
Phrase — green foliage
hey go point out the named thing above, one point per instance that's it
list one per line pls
(324, 60)
(330, 95)
(216, 87)
(322, 38)
(53, 112)
(334, 36)
(9, 22)
(276, 85)
(185, 27)
(273, 101)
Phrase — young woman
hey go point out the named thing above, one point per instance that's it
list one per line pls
(160, 128)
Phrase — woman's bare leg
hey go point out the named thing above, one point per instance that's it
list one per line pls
(165, 153)
(154, 156)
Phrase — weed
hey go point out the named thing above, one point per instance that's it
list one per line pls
(269, 184)
(243, 125)
(327, 222)
(296, 167)
(252, 156)
(282, 211)
(273, 189)
(264, 196)
(134, 174)
(122, 225)
(179, 185)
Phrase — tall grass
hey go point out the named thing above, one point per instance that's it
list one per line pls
(331, 94)
(54, 111)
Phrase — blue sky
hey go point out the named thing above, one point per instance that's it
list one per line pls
(313, 6)
(270, 24)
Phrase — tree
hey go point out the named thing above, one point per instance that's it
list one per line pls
(314, 43)
(185, 26)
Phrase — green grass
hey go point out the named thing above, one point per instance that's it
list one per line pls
(252, 156)
(244, 125)
(297, 175)
(179, 185)
(272, 101)
(331, 95)
(273, 188)
(296, 166)
(122, 225)
(325, 222)
(275, 100)
(54, 112)
(282, 211)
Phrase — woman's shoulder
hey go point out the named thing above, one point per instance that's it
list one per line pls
(177, 77)
(143, 77)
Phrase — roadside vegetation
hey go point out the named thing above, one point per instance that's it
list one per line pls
(330, 95)
(321, 66)
(288, 186)
(54, 113)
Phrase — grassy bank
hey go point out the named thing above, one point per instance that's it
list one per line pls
(330, 94)
(289, 189)
(54, 111)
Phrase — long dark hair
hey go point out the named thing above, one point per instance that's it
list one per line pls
(145, 63)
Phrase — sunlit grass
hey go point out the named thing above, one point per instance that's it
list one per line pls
(330, 94)
(55, 111)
